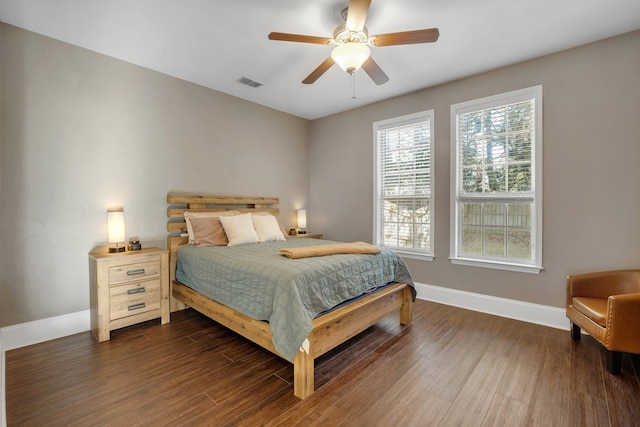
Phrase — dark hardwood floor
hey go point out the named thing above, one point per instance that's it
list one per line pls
(450, 367)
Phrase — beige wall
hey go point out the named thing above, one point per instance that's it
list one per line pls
(81, 132)
(591, 196)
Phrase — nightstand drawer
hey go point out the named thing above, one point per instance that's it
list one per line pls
(124, 273)
(134, 298)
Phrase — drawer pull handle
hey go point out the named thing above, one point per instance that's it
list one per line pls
(135, 272)
(136, 290)
(136, 306)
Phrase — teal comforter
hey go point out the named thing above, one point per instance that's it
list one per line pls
(256, 280)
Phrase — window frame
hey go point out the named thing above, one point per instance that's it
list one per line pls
(534, 265)
(378, 199)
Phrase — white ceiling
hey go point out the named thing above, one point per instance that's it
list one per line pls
(215, 42)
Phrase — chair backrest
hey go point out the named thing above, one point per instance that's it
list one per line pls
(625, 282)
(603, 284)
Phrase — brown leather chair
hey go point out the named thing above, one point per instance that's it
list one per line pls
(607, 306)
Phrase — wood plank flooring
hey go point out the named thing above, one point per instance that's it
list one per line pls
(450, 367)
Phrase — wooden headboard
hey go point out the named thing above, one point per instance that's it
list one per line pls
(179, 203)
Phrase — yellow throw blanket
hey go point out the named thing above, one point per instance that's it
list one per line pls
(331, 249)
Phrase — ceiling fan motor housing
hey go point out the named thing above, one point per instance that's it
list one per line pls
(342, 35)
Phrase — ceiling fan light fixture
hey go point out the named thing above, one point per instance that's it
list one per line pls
(350, 56)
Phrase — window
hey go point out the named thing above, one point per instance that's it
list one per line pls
(403, 202)
(496, 179)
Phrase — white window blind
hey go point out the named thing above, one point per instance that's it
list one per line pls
(496, 201)
(403, 198)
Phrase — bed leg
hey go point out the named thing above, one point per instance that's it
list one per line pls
(406, 310)
(302, 375)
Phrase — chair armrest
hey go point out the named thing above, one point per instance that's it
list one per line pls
(623, 323)
(603, 284)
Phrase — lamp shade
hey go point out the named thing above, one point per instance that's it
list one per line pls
(115, 225)
(350, 56)
(302, 219)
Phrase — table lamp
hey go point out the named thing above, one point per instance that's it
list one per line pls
(302, 221)
(115, 229)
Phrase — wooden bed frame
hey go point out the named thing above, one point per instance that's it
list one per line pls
(329, 330)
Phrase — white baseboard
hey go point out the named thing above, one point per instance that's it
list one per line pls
(3, 401)
(37, 331)
(533, 313)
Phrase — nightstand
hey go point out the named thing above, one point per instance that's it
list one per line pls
(127, 288)
(307, 235)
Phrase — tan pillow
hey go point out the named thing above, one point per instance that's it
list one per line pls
(188, 215)
(208, 232)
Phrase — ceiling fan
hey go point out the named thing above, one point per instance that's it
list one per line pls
(352, 42)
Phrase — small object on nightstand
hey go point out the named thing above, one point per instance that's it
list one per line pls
(127, 288)
(134, 244)
(292, 232)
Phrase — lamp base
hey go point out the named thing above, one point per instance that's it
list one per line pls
(116, 249)
(302, 232)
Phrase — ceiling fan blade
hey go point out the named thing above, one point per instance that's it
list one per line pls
(298, 38)
(428, 35)
(374, 71)
(357, 14)
(322, 68)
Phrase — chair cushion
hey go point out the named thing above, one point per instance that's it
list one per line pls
(593, 308)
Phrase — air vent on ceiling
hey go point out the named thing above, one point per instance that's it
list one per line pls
(248, 82)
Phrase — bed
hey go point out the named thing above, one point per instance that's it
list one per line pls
(324, 329)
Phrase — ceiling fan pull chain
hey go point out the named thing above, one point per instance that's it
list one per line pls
(353, 86)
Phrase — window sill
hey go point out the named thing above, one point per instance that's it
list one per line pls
(519, 268)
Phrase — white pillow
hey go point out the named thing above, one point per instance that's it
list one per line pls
(239, 229)
(267, 228)
(265, 213)
(188, 215)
